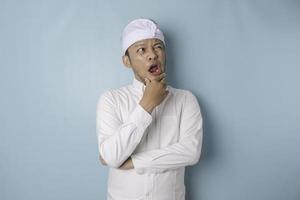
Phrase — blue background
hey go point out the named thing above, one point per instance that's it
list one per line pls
(240, 58)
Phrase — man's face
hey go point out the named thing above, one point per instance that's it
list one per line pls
(147, 59)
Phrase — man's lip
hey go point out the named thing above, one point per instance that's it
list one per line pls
(152, 65)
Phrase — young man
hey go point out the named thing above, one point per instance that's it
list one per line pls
(147, 131)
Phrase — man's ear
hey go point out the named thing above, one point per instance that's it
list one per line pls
(126, 61)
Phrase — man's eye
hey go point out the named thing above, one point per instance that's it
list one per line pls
(141, 50)
(158, 46)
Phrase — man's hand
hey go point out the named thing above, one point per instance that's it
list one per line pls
(155, 92)
(127, 164)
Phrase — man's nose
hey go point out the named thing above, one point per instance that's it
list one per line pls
(152, 55)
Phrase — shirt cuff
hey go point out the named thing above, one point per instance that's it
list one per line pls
(142, 169)
(136, 165)
(140, 117)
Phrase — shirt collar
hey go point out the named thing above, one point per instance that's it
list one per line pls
(138, 85)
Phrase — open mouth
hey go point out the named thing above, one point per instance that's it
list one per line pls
(155, 69)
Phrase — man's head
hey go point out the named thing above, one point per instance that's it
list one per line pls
(143, 49)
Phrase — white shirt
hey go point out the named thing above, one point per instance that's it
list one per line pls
(160, 144)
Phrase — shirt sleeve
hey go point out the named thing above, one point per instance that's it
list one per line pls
(183, 153)
(116, 139)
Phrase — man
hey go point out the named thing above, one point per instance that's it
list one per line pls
(147, 131)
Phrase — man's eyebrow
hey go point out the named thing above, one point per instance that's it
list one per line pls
(139, 44)
(158, 42)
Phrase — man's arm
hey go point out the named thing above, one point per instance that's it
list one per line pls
(118, 140)
(125, 166)
(183, 153)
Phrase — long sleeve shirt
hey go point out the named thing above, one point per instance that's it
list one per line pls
(160, 144)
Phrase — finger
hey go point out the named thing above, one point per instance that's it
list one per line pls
(166, 93)
(162, 76)
(147, 81)
(165, 86)
(163, 80)
(158, 78)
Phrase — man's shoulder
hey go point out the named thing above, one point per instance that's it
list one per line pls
(180, 93)
(114, 92)
(185, 97)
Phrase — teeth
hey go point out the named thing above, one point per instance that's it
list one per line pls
(154, 68)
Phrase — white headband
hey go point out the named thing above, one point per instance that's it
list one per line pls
(140, 29)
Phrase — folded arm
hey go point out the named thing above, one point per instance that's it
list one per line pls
(183, 153)
(116, 139)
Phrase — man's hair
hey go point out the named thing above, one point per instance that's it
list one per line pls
(127, 54)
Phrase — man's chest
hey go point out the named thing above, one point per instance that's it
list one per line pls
(165, 126)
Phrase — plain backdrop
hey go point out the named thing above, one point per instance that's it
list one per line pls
(241, 59)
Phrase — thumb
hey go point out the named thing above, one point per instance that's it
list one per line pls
(147, 81)
(166, 93)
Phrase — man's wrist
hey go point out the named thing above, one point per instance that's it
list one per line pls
(128, 164)
(147, 106)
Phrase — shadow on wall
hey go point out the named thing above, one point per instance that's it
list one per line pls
(192, 175)
(172, 77)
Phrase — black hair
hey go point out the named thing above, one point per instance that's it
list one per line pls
(127, 54)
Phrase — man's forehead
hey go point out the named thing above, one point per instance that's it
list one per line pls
(141, 42)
